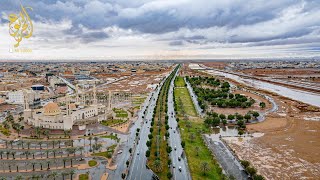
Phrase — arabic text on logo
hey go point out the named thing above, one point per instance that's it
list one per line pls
(20, 25)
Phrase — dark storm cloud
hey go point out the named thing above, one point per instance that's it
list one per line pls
(240, 20)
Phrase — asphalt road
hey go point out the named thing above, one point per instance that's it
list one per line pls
(129, 141)
(175, 141)
(226, 159)
(194, 99)
(138, 170)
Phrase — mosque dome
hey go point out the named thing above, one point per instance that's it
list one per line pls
(51, 109)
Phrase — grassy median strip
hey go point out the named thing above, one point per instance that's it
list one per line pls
(184, 102)
(157, 154)
(202, 163)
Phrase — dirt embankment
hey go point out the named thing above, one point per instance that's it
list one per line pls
(290, 147)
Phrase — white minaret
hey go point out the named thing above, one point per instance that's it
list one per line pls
(27, 113)
(95, 101)
(68, 104)
(77, 93)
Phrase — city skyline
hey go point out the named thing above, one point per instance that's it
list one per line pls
(148, 30)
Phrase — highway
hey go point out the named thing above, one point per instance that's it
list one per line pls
(194, 99)
(129, 141)
(175, 141)
(138, 170)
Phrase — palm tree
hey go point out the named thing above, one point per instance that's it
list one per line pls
(192, 137)
(96, 139)
(54, 175)
(47, 152)
(17, 167)
(19, 177)
(33, 153)
(33, 164)
(48, 165)
(72, 172)
(40, 144)
(11, 143)
(53, 143)
(63, 174)
(41, 165)
(59, 142)
(18, 129)
(1, 153)
(80, 149)
(84, 142)
(157, 165)
(13, 154)
(197, 150)
(204, 166)
(46, 133)
(71, 159)
(28, 144)
(27, 153)
(22, 142)
(64, 162)
(54, 153)
(19, 144)
(69, 151)
(9, 167)
(8, 153)
(90, 139)
(38, 132)
(188, 125)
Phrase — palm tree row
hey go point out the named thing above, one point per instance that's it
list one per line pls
(27, 144)
(71, 150)
(44, 165)
(53, 174)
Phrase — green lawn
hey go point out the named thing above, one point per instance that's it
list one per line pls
(106, 154)
(184, 101)
(179, 82)
(112, 122)
(204, 155)
(120, 113)
(111, 136)
(92, 163)
(195, 159)
(83, 177)
(138, 100)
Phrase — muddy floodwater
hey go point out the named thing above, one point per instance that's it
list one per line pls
(295, 94)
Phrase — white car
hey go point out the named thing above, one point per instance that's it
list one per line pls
(119, 152)
(175, 148)
(180, 168)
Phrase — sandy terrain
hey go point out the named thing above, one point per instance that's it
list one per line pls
(269, 72)
(218, 65)
(290, 147)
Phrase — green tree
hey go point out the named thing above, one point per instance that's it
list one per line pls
(245, 163)
(204, 166)
(251, 170)
(157, 164)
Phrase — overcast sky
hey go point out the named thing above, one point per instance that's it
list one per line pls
(164, 29)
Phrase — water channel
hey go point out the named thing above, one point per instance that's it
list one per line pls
(295, 94)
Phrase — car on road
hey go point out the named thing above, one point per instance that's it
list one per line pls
(138, 152)
(119, 152)
(174, 131)
(179, 159)
(175, 148)
(180, 168)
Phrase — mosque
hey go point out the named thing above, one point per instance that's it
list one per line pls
(53, 116)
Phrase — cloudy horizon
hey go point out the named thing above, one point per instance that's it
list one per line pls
(165, 29)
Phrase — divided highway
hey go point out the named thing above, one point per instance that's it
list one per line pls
(179, 164)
